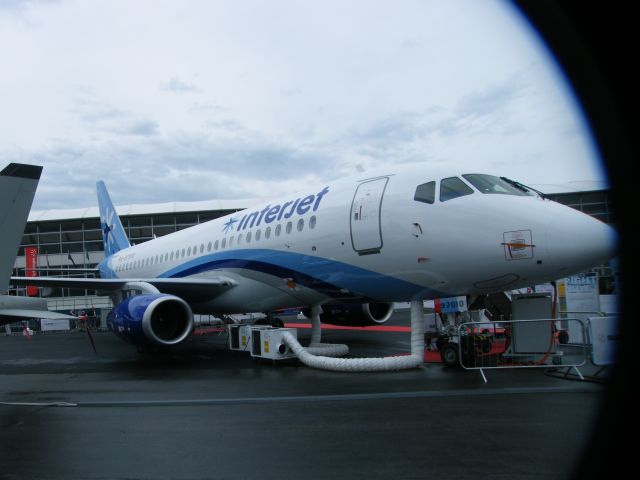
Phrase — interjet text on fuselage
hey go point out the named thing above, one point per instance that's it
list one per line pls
(274, 213)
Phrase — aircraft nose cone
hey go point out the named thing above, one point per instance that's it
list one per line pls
(577, 242)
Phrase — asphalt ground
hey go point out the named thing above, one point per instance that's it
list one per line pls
(200, 411)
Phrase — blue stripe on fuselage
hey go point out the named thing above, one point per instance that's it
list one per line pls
(329, 277)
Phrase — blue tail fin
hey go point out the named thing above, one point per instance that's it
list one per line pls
(113, 237)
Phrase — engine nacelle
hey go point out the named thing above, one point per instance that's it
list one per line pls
(356, 314)
(152, 319)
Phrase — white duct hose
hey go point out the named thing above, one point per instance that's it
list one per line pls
(416, 359)
(328, 349)
(316, 329)
(316, 347)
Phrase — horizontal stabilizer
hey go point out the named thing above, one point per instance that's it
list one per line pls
(13, 309)
(10, 315)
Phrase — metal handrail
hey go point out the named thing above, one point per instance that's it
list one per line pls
(529, 359)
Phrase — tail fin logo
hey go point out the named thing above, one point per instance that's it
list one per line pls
(114, 237)
(107, 227)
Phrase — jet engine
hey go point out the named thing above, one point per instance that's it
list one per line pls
(355, 314)
(152, 319)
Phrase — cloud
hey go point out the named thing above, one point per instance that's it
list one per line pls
(21, 5)
(292, 95)
(175, 85)
(206, 108)
(490, 100)
(143, 127)
(180, 167)
(111, 119)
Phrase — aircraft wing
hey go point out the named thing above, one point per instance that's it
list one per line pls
(190, 289)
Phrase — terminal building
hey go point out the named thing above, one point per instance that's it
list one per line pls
(59, 242)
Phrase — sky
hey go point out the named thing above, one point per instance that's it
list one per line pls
(209, 99)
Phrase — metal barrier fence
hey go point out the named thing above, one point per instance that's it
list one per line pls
(538, 343)
(59, 304)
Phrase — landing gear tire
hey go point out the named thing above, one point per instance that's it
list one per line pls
(450, 354)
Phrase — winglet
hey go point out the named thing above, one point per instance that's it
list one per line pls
(21, 170)
(114, 238)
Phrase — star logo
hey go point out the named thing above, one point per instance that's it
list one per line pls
(108, 226)
(229, 225)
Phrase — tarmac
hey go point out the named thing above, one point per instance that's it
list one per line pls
(200, 411)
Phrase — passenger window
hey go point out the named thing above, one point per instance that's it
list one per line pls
(257, 235)
(289, 226)
(453, 187)
(267, 232)
(249, 237)
(426, 193)
(312, 222)
(278, 230)
(300, 224)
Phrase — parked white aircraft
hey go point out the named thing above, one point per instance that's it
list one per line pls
(18, 183)
(360, 243)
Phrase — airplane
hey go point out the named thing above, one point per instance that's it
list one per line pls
(18, 183)
(346, 249)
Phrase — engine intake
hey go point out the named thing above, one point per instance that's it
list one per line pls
(356, 314)
(157, 319)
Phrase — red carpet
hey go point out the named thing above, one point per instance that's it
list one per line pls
(373, 328)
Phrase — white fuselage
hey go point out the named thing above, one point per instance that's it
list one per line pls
(367, 239)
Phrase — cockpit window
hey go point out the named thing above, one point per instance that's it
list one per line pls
(453, 187)
(426, 193)
(492, 184)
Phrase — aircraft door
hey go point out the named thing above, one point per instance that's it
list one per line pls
(366, 221)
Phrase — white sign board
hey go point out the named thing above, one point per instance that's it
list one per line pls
(604, 338)
(582, 293)
(53, 325)
(609, 304)
(581, 296)
(451, 304)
